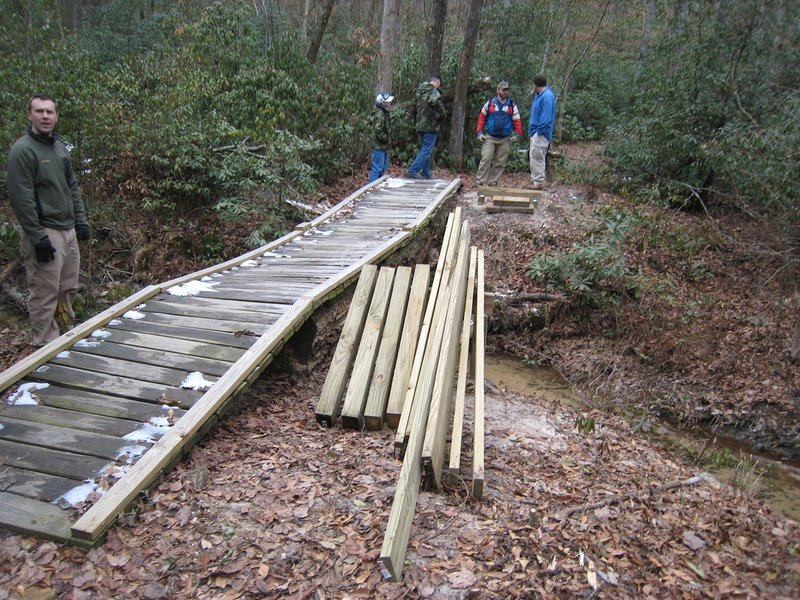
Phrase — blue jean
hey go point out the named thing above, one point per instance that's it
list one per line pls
(380, 162)
(422, 163)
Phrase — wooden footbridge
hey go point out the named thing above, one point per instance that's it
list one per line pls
(98, 415)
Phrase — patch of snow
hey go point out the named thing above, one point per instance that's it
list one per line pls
(115, 322)
(86, 344)
(131, 453)
(196, 381)
(63, 354)
(272, 254)
(134, 314)
(393, 183)
(24, 395)
(191, 288)
(42, 369)
(79, 493)
(207, 277)
(249, 263)
(149, 432)
(101, 334)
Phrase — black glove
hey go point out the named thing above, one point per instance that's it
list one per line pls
(82, 231)
(44, 250)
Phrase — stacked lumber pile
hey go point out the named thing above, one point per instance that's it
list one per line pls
(406, 350)
(497, 199)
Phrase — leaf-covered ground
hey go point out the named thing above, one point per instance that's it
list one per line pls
(272, 505)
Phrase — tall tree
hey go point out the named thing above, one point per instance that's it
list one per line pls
(462, 82)
(316, 41)
(436, 36)
(386, 56)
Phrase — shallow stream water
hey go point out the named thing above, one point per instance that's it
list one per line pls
(779, 485)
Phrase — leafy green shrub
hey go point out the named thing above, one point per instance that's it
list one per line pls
(594, 272)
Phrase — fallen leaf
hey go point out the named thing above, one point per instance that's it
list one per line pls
(462, 579)
(694, 541)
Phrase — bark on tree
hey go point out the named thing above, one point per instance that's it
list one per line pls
(436, 36)
(647, 27)
(386, 56)
(316, 41)
(462, 83)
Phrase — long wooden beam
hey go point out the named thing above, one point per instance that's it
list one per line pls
(454, 464)
(480, 347)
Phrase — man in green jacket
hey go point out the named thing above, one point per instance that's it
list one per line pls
(47, 203)
(430, 112)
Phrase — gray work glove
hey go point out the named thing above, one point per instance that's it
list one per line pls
(481, 136)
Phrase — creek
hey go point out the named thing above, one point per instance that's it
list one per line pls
(775, 481)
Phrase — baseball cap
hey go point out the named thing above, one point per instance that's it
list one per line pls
(384, 98)
(503, 85)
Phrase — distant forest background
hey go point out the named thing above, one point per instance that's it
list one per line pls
(188, 107)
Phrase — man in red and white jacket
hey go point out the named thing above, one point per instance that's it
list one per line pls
(499, 124)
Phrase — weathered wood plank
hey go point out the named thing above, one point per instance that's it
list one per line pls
(61, 438)
(358, 388)
(31, 516)
(170, 360)
(207, 312)
(330, 398)
(408, 342)
(480, 344)
(171, 344)
(50, 461)
(37, 486)
(454, 464)
(375, 408)
(102, 404)
(47, 415)
(184, 333)
(118, 386)
(202, 324)
(116, 366)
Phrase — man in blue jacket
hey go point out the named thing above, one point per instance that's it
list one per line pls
(540, 129)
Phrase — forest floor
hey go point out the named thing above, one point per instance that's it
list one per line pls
(272, 505)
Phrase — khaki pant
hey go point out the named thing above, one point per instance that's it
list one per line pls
(51, 285)
(538, 152)
(494, 154)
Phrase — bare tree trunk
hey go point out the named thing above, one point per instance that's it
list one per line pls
(386, 56)
(304, 22)
(647, 26)
(462, 82)
(436, 36)
(316, 41)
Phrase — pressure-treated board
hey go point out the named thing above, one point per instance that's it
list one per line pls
(358, 388)
(330, 399)
(454, 464)
(408, 341)
(387, 354)
(439, 412)
(478, 428)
